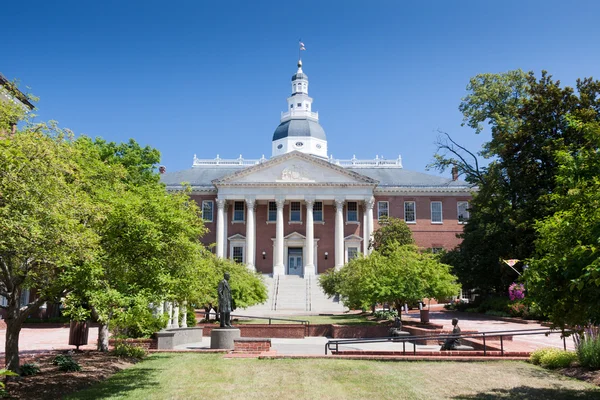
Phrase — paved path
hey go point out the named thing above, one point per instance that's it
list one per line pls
(483, 323)
(39, 339)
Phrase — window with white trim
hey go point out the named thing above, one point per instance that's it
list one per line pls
(410, 214)
(207, 210)
(272, 214)
(436, 212)
(436, 250)
(352, 253)
(462, 211)
(238, 211)
(352, 211)
(295, 211)
(318, 211)
(238, 254)
(383, 209)
(3, 301)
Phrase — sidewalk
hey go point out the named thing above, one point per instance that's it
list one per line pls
(40, 339)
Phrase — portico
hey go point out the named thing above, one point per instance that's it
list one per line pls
(284, 191)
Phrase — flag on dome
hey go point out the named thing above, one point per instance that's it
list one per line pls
(302, 46)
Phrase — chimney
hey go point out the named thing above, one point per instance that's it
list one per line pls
(454, 173)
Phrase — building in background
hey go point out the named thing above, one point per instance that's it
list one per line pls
(302, 212)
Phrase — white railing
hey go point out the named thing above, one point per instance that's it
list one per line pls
(353, 162)
(227, 162)
(299, 113)
(376, 163)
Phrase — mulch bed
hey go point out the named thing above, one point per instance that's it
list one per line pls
(583, 374)
(51, 383)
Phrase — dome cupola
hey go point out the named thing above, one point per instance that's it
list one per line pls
(299, 128)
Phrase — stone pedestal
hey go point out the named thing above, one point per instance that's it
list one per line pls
(222, 338)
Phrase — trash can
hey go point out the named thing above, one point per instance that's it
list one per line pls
(424, 315)
(78, 333)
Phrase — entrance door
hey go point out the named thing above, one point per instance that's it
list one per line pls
(295, 266)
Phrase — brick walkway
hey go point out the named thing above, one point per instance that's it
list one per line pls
(40, 339)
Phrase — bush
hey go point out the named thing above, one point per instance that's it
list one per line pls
(128, 350)
(138, 321)
(497, 313)
(30, 369)
(553, 358)
(588, 349)
(385, 314)
(66, 363)
(191, 317)
(495, 303)
(458, 306)
(518, 309)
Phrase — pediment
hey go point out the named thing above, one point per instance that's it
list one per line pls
(298, 169)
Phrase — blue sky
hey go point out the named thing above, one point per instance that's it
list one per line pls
(208, 78)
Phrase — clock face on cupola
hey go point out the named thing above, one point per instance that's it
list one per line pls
(299, 128)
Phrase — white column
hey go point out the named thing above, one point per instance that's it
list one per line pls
(309, 265)
(220, 228)
(365, 229)
(170, 314)
(250, 234)
(339, 233)
(184, 312)
(278, 268)
(370, 203)
(176, 316)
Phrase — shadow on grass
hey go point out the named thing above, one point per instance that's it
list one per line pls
(141, 376)
(527, 392)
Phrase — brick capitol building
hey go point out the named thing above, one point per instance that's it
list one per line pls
(302, 212)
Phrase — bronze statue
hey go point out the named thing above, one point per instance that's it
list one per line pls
(396, 330)
(452, 342)
(226, 304)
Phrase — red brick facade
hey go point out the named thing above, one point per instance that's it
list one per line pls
(426, 233)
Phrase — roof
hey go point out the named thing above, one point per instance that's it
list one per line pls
(202, 177)
(299, 75)
(299, 127)
(198, 177)
(400, 177)
(12, 88)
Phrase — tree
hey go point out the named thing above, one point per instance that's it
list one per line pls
(528, 125)
(402, 275)
(391, 230)
(563, 277)
(45, 219)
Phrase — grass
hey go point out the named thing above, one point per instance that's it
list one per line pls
(342, 319)
(193, 376)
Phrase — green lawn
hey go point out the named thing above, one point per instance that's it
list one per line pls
(197, 376)
(344, 319)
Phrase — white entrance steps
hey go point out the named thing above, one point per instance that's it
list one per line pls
(291, 294)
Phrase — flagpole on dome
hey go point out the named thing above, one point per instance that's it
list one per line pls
(300, 48)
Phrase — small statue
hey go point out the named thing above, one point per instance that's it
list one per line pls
(226, 304)
(452, 342)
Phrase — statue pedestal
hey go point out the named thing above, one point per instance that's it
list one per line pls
(222, 338)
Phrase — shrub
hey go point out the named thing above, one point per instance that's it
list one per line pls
(385, 314)
(497, 313)
(495, 303)
(588, 348)
(517, 309)
(128, 350)
(138, 321)
(191, 317)
(66, 363)
(30, 369)
(4, 372)
(553, 358)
